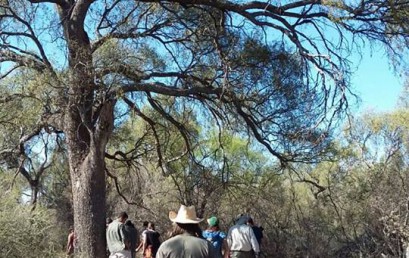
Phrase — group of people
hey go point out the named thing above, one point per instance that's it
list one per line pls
(122, 238)
(187, 240)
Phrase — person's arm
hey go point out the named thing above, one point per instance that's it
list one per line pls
(123, 235)
(139, 246)
(141, 242)
(227, 244)
(144, 246)
(144, 242)
(226, 249)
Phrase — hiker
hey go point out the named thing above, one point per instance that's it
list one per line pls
(116, 237)
(131, 236)
(71, 241)
(143, 230)
(151, 241)
(215, 236)
(186, 238)
(241, 241)
(258, 231)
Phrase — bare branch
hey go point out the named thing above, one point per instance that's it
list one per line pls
(58, 2)
(118, 189)
(168, 90)
(8, 55)
(182, 129)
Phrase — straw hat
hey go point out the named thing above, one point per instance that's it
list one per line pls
(185, 215)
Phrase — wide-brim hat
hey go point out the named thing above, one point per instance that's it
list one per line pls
(185, 215)
(242, 219)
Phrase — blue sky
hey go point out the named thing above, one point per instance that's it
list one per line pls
(376, 83)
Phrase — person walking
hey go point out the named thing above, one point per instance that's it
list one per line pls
(143, 235)
(151, 241)
(214, 235)
(116, 237)
(131, 236)
(72, 238)
(186, 238)
(241, 241)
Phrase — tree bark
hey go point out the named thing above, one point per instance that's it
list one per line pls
(88, 188)
(87, 170)
(88, 124)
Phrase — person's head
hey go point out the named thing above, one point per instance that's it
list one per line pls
(250, 222)
(191, 229)
(213, 223)
(241, 219)
(185, 221)
(108, 221)
(71, 229)
(129, 223)
(122, 217)
(151, 225)
(145, 224)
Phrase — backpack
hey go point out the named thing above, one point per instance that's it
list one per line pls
(152, 241)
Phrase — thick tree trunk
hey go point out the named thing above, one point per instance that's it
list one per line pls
(88, 188)
(87, 170)
(89, 121)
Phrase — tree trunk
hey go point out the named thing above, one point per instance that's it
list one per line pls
(88, 188)
(87, 170)
(88, 124)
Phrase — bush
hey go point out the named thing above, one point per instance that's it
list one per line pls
(28, 233)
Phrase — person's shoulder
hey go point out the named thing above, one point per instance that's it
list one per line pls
(171, 241)
(234, 226)
(206, 233)
(246, 227)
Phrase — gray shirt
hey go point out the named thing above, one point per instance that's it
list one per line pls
(186, 246)
(115, 237)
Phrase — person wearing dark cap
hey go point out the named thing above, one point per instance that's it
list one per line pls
(116, 237)
(241, 241)
(214, 235)
(186, 238)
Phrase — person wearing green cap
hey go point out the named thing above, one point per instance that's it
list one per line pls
(215, 236)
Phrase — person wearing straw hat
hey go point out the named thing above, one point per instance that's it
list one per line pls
(186, 238)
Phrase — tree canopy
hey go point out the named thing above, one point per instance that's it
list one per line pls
(78, 70)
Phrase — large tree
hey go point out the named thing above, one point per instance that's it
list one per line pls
(277, 72)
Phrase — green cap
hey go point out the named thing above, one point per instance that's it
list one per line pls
(213, 221)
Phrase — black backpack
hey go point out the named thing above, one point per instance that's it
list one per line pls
(152, 238)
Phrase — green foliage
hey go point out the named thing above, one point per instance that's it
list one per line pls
(25, 232)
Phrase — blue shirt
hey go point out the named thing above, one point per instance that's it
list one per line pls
(216, 238)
